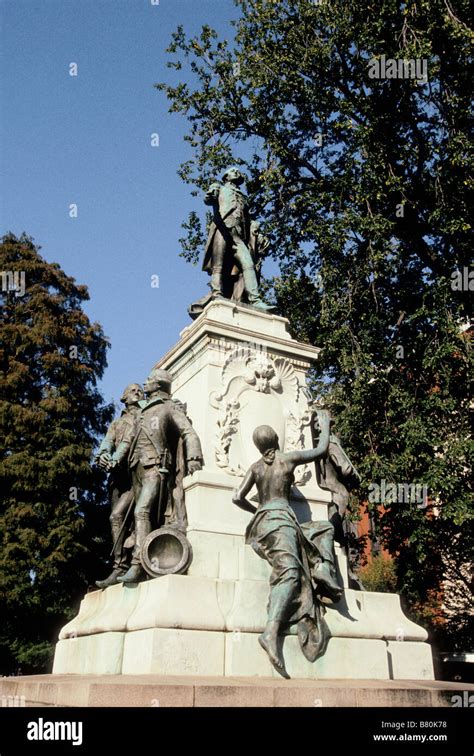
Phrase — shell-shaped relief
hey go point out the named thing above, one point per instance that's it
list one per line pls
(254, 370)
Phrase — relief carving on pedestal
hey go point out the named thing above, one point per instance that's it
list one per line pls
(257, 388)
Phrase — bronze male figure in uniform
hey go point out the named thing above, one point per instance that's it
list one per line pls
(111, 457)
(160, 424)
(228, 249)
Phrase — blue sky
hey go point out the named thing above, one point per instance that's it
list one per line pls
(87, 140)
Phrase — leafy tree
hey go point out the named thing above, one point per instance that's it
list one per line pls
(362, 187)
(379, 575)
(51, 414)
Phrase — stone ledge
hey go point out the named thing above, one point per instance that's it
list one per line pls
(214, 604)
(166, 691)
(224, 318)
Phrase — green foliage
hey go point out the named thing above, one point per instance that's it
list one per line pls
(379, 575)
(362, 186)
(51, 414)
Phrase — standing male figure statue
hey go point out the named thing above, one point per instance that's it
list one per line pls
(230, 237)
(159, 426)
(336, 473)
(301, 555)
(111, 457)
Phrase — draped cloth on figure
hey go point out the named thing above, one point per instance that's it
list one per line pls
(276, 536)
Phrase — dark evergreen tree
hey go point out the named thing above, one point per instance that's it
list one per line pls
(53, 528)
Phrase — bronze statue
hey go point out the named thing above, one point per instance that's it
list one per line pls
(336, 473)
(234, 246)
(111, 457)
(152, 455)
(175, 515)
(301, 555)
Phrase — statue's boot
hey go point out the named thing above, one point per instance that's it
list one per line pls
(112, 579)
(135, 574)
(251, 289)
(216, 283)
(263, 306)
(327, 581)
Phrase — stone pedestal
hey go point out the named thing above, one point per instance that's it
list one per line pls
(235, 369)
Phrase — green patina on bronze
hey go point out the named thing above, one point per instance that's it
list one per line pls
(234, 248)
(301, 555)
(156, 447)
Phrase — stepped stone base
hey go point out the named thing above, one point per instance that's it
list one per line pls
(154, 690)
(190, 625)
(168, 651)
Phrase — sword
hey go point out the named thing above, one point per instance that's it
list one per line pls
(163, 473)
